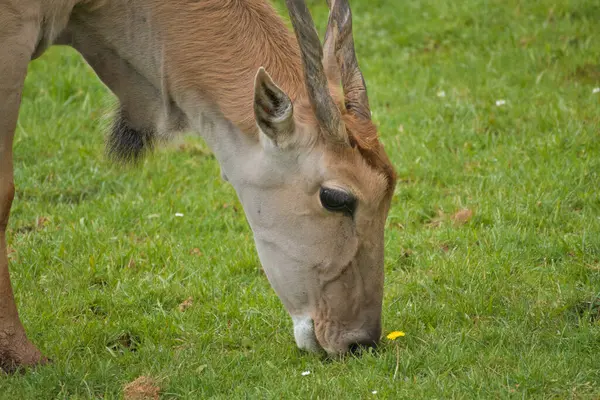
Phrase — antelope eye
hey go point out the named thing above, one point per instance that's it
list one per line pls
(337, 200)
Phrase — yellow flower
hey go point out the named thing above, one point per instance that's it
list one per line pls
(395, 335)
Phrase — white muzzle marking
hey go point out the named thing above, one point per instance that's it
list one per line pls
(304, 333)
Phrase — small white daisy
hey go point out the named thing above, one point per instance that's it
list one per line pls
(178, 214)
(441, 93)
(374, 392)
(305, 373)
(500, 103)
(596, 90)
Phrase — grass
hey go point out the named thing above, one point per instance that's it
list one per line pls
(506, 305)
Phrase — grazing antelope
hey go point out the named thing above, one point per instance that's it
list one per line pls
(288, 121)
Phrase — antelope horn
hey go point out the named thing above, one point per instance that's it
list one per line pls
(327, 113)
(355, 90)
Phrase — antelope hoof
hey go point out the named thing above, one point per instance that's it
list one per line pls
(17, 353)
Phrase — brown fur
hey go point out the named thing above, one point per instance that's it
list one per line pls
(245, 35)
(363, 135)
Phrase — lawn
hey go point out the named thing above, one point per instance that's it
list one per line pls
(488, 112)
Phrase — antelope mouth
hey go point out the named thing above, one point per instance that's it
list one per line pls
(350, 342)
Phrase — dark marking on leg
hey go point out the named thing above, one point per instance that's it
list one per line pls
(128, 145)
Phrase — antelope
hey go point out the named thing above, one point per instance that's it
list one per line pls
(287, 118)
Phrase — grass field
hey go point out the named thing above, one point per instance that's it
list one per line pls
(483, 105)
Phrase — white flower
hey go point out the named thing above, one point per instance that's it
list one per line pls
(500, 103)
(374, 392)
(306, 373)
(441, 93)
(596, 90)
(178, 214)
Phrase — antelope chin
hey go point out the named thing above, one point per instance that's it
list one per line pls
(304, 333)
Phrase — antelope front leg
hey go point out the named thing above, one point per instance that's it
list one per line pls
(16, 48)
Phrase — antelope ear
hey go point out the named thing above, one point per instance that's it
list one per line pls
(273, 109)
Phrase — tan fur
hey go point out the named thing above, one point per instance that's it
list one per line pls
(174, 63)
(222, 50)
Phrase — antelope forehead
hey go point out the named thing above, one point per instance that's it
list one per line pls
(364, 180)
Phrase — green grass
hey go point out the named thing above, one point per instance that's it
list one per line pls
(504, 306)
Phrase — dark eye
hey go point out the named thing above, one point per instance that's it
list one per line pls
(337, 200)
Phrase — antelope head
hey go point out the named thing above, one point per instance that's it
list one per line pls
(318, 192)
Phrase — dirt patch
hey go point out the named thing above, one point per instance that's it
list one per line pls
(187, 303)
(42, 221)
(11, 253)
(195, 252)
(143, 387)
(462, 217)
